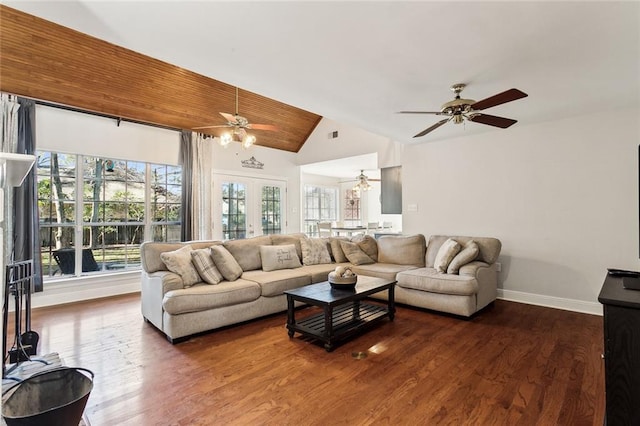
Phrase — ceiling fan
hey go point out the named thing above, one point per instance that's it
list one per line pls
(459, 110)
(240, 125)
(362, 181)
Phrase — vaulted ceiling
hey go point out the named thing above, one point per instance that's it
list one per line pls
(358, 63)
(48, 62)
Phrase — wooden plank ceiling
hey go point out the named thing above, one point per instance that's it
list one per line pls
(45, 61)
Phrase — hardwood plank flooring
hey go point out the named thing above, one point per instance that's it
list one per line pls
(511, 364)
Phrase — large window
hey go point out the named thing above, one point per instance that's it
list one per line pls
(320, 205)
(122, 204)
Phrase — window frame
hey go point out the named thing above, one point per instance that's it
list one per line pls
(121, 226)
(310, 223)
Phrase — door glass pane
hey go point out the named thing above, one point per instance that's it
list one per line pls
(234, 222)
(271, 213)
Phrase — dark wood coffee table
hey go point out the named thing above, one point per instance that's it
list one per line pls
(343, 312)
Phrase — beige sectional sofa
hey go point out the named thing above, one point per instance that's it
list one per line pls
(180, 310)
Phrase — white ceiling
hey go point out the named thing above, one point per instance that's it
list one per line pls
(359, 63)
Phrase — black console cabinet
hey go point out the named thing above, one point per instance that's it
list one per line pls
(621, 352)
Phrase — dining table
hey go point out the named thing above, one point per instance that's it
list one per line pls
(348, 230)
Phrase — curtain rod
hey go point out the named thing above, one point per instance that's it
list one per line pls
(99, 114)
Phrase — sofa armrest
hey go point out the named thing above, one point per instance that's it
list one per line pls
(471, 268)
(487, 277)
(152, 290)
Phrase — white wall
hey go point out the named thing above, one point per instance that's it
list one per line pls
(562, 196)
(351, 141)
(74, 132)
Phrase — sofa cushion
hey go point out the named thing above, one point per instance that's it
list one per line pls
(367, 244)
(429, 279)
(274, 283)
(354, 253)
(489, 247)
(179, 262)
(381, 270)
(320, 273)
(468, 254)
(336, 250)
(247, 251)
(314, 251)
(202, 297)
(226, 263)
(281, 239)
(205, 266)
(279, 257)
(402, 250)
(445, 255)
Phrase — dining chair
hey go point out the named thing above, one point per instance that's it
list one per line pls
(324, 229)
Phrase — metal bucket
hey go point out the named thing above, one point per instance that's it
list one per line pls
(53, 398)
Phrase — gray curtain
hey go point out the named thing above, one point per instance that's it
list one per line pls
(26, 229)
(186, 160)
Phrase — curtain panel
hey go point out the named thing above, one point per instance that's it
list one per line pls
(185, 160)
(26, 226)
(10, 107)
(196, 159)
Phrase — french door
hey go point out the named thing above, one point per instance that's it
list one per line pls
(246, 207)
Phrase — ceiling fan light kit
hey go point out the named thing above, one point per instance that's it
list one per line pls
(460, 110)
(362, 183)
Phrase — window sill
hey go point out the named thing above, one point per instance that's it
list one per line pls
(76, 289)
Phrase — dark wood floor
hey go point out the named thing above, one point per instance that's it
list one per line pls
(513, 364)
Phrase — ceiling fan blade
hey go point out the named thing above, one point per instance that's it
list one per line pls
(229, 117)
(263, 127)
(493, 120)
(423, 112)
(210, 127)
(500, 98)
(432, 128)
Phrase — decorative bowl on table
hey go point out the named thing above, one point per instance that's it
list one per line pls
(342, 282)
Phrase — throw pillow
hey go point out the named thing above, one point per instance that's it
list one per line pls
(354, 253)
(368, 245)
(445, 255)
(314, 251)
(203, 262)
(279, 257)
(226, 263)
(284, 239)
(179, 262)
(336, 249)
(468, 254)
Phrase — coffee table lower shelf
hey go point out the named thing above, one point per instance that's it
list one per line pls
(346, 320)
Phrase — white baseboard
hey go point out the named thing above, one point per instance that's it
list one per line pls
(582, 306)
(86, 288)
